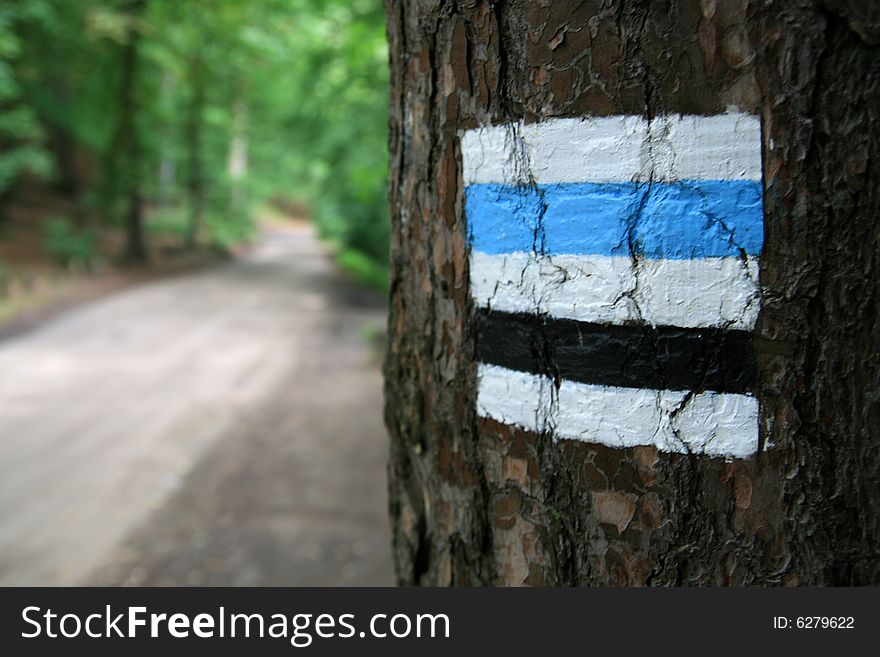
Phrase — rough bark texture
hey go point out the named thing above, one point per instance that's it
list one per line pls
(475, 502)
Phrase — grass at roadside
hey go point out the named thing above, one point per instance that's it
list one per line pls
(364, 269)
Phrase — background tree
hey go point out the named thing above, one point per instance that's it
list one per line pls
(21, 149)
(234, 105)
(477, 502)
(127, 148)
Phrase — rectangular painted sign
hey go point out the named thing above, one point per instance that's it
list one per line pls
(615, 264)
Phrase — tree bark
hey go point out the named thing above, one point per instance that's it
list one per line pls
(65, 150)
(167, 177)
(237, 158)
(128, 140)
(477, 502)
(196, 183)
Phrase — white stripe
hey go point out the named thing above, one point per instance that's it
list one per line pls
(700, 293)
(719, 147)
(515, 397)
(615, 149)
(717, 424)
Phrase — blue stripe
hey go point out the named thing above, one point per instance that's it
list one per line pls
(680, 220)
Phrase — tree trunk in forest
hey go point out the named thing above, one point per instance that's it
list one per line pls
(480, 496)
(196, 183)
(167, 177)
(128, 142)
(237, 158)
(64, 147)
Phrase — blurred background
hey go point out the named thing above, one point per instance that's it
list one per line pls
(193, 266)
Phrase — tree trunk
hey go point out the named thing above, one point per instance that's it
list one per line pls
(482, 498)
(167, 177)
(65, 149)
(196, 166)
(237, 158)
(128, 140)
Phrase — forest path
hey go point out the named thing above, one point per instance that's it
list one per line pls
(219, 428)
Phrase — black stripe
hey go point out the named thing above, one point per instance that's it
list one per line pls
(633, 356)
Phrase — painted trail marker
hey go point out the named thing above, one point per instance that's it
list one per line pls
(615, 263)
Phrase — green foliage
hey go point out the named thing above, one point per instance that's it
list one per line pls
(223, 231)
(237, 102)
(68, 246)
(168, 221)
(20, 159)
(336, 127)
(363, 268)
(228, 230)
(20, 131)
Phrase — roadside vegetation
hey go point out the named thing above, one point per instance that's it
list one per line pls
(141, 132)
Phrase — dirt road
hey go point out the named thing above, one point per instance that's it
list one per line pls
(217, 428)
